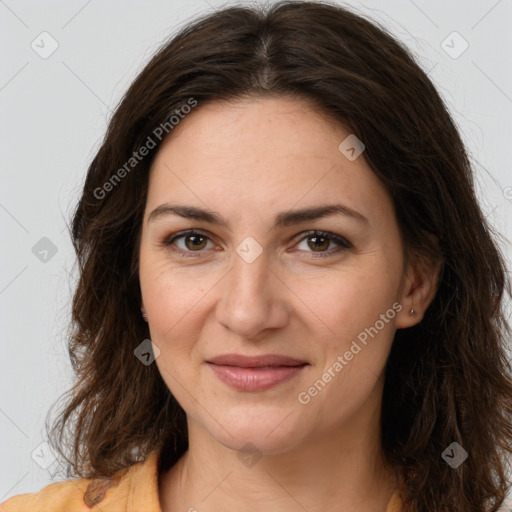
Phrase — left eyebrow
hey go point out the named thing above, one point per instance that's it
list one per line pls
(285, 218)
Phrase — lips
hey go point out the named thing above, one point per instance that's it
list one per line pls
(255, 373)
(270, 360)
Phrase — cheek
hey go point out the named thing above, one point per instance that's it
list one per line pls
(360, 316)
(173, 302)
(355, 306)
(344, 302)
(171, 295)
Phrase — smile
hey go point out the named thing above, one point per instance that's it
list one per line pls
(245, 373)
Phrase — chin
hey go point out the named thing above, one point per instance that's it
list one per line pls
(268, 431)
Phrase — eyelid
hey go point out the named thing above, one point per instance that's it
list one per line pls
(343, 243)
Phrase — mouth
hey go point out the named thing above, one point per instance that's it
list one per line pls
(255, 373)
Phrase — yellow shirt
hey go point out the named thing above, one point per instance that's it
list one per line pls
(133, 489)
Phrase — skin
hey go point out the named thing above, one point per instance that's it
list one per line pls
(248, 161)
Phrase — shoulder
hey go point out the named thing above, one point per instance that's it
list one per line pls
(136, 485)
(57, 497)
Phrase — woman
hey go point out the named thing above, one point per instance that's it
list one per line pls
(284, 207)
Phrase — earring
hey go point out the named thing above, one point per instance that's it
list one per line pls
(412, 312)
(144, 315)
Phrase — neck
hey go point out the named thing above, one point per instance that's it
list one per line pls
(340, 470)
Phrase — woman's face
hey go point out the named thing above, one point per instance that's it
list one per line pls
(254, 280)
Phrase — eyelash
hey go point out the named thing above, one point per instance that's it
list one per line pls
(344, 243)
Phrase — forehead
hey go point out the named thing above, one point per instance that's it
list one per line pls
(259, 153)
(255, 129)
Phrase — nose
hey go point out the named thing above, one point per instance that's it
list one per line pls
(253, 298)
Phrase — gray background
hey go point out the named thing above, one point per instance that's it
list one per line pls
(54, 112)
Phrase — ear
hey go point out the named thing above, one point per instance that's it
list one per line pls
(419, 287)
(143, 311)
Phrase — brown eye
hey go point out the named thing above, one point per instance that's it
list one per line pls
(187, 242)
(195, 241)
(319, 241)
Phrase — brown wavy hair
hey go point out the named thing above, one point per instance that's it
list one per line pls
(447, 378)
